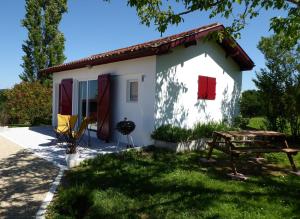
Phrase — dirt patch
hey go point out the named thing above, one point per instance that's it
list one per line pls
(24, 181)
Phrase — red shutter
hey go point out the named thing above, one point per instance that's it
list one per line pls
(103, 108)
(202, 87)
(65, 96)
(59, 99)
(211, 94)
(206, 88)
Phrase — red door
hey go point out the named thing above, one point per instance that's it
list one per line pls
(103, 108)
(65, 97)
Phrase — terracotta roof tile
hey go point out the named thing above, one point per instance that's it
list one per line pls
(156, 47)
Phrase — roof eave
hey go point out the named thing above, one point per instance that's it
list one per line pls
(242, 59)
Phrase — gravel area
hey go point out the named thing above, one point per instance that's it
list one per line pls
(24, 180)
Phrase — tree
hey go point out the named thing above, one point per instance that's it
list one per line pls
(251, 104)
(2, 98)
(163, 13)
(279, 83)
(45, 44)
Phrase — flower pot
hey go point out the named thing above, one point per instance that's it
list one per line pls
(72, 160)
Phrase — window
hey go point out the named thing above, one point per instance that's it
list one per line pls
(206, 88)
(132, 90)
(88, 95)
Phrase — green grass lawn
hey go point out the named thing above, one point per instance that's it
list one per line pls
(257, 123)
(160, 184)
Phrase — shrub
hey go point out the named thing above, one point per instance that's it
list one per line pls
(3, 114)
(2, 98)
(241, 122)
(206, 130)
(171, 133)
(251, 104)
(3, 118)
(29, 103)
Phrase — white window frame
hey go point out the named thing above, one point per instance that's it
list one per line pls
(128, 90)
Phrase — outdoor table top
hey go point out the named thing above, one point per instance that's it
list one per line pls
(249, 133)
(236, 143)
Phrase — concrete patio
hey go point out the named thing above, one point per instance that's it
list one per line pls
(31, 167)
(41, 141)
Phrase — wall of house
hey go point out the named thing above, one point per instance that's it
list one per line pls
(141, 112)
(176, 100)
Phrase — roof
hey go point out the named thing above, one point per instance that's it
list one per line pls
(159, 47)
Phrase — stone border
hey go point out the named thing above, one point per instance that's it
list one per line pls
(49, 196)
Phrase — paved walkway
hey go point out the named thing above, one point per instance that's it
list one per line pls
(24, 181)
(30, 161)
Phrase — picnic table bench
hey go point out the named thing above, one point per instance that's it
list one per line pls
(236, 143)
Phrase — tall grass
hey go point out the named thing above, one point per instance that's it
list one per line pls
(172, 133)
(205, 130)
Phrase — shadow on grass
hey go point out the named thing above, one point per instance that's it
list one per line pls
(160, 184)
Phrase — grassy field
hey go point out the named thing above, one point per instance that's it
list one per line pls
(257, 123)
(160, 184)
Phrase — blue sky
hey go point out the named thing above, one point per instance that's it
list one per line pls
(94, 26)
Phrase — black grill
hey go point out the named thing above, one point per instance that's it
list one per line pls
(125, 127)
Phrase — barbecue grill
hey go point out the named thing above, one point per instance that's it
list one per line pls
(126, 127)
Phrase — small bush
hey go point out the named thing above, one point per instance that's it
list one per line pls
(3, 118)
(206, 130)
(171, 133)
(241, 122)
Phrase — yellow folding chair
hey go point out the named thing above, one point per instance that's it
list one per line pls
(77, 136)
(65, 124)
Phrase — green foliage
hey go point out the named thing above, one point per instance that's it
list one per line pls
(241, 122)
(279, 84)
(29, 103)
(3, 115)
(258, 123)
(205, 130)
(251, 104)
(2, 98)
(171, 133)
(155, 183)
(76, 202)
(165, 13)
(45, 44)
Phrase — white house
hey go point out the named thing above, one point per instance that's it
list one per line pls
(182, 79)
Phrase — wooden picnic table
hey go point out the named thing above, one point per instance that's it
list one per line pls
(235, 143)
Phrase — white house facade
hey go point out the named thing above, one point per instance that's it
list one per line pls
(182, 80)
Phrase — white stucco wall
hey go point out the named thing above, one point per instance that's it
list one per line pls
(141, 112)
(177, 85)
(168, 87)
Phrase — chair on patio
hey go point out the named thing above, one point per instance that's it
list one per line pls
(78, 136)
(65, 124)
